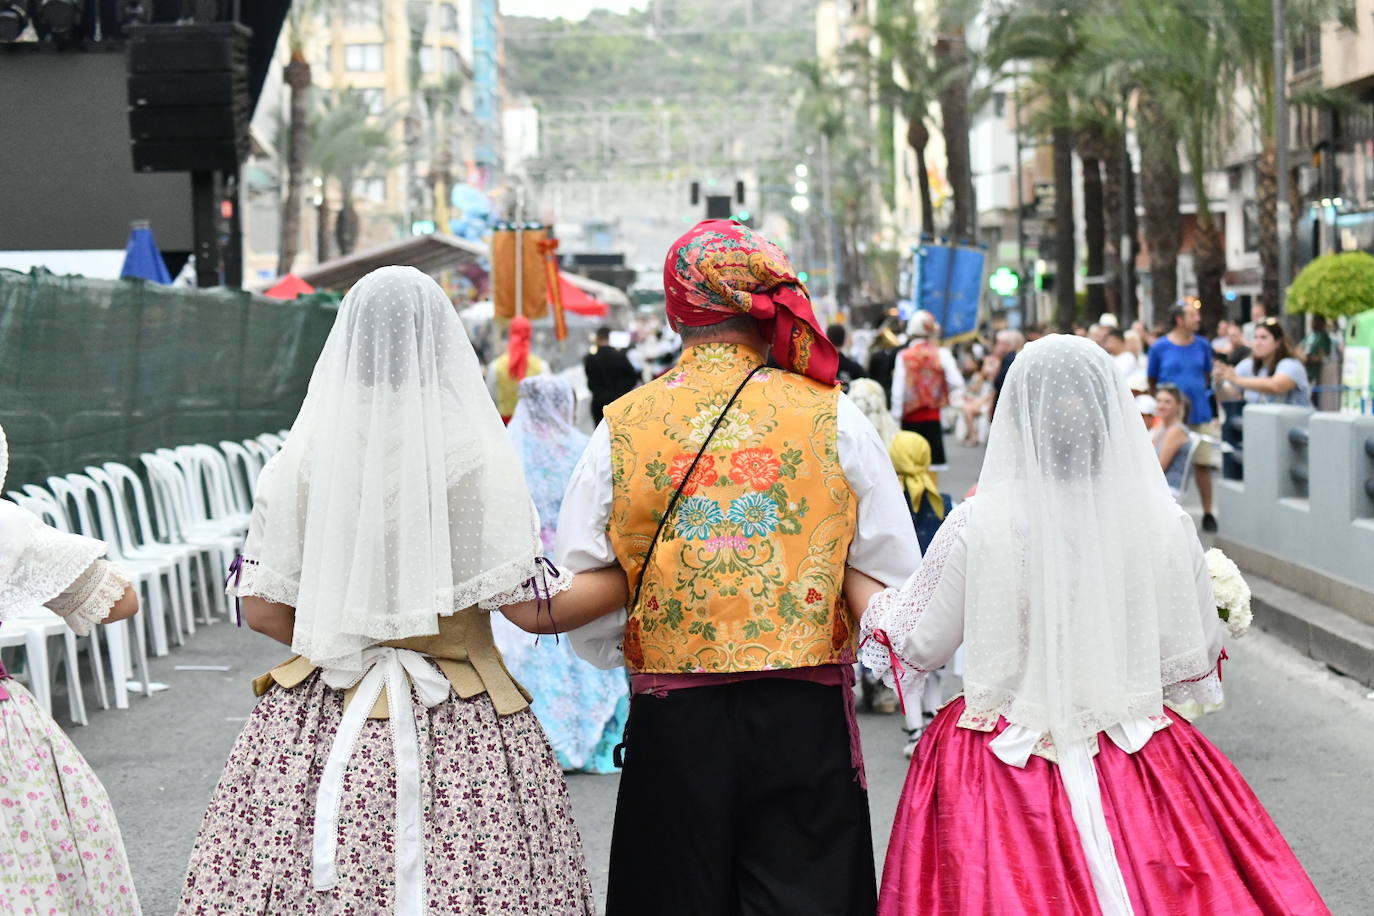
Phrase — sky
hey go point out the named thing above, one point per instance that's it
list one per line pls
(567, 9)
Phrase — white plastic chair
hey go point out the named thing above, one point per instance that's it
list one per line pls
(257, 450)
(152, 573)
(117, 639)
(244, 469)
(173, 505)
(146, 549)
(43, 504)
(271, 442)
(38, 625)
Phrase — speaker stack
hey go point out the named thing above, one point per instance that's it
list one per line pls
(188, 97)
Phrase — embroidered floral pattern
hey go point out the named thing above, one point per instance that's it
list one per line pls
(755, 514)
(60, 848)
(704, 475)
(696, 516)
(755, 467)
(499, 835)
(747, 574)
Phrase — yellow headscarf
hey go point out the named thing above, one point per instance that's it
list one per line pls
(910, 454)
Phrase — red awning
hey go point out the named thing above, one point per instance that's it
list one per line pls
(575, 300)
(289, 287)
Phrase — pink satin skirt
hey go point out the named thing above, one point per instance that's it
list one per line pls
(974, 835)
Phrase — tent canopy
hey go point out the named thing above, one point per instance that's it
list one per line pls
(430, 253)
(575, 300)
(289, 287)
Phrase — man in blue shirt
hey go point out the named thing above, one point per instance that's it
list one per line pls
(1184, 359)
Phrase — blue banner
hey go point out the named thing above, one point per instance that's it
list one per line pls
(949, 285)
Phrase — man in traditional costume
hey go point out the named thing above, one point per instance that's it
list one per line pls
(747, 491)
(925, 380)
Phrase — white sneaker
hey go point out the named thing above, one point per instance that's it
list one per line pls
(913, 737)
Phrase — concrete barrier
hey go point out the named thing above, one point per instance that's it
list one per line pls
(1307, 497)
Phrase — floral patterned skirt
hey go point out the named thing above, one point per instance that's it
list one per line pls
(499, 830)
(60, 849)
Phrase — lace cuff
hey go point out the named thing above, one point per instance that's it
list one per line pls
(546, 581)
(248, 576)
(1198, 696)
(895, 613)
(88, 600)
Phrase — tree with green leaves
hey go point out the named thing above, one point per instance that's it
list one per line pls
(909, 80)
(1178, 57)
(1048, 36)
(1246, 31)
(346, 145)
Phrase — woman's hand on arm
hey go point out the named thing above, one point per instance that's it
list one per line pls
(269, 618)
(592, 594)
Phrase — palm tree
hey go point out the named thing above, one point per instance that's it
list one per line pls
(907, 79)
(345, 146)
(299, 25)
(1176, 54)
(956, 64)
(1049, 34)
(1246, 30)
(303, 18)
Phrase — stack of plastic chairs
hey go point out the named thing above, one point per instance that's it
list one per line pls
(175, 529)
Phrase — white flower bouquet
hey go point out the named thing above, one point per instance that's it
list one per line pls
(1231, 592)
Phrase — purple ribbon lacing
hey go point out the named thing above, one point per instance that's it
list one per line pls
(4, 694)
(236, 576)
(543, 601)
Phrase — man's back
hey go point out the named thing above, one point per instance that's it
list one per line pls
(747, 577)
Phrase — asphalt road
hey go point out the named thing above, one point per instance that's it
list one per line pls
(1302, 736)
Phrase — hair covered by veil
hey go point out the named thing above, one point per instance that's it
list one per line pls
(1082, 598)
(548, 443)
(397, 498)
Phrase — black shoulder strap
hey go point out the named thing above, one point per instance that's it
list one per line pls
(677, 494)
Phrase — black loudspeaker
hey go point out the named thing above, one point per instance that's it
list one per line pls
(696, 193)
(188, 96)
(718, 207)
(739, 192)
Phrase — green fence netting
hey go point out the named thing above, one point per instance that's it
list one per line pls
(103, 370)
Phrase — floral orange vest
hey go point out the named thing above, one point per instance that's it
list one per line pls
(747, 575)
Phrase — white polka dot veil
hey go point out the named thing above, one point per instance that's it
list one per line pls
(398, 497)
(1081, 601)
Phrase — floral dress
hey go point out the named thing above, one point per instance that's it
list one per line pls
(60, 849)
(582, 708)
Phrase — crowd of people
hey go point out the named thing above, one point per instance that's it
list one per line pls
(704, 572)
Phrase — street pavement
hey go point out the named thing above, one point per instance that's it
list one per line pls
(1302, 736)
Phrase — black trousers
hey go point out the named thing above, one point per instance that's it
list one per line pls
(740, 800)
(934, 433)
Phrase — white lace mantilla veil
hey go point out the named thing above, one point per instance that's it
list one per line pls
(547, 440)
(37, 562)
(1081, 602)
(397, 498)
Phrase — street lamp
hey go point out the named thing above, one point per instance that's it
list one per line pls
(801, 170)
(801, 203)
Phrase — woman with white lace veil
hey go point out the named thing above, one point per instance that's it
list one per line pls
(393, 765)
(60, 846)
(1058, 782)
(870, 398)
(582, 708)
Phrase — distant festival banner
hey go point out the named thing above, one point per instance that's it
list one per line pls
(949, 285)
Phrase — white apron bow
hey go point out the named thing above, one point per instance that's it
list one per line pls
(383, 668)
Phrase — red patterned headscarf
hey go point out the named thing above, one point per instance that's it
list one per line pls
(721, 269)
(519, 347)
